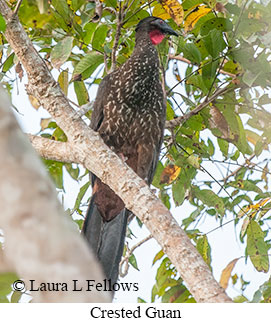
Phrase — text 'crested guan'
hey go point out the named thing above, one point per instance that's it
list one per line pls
(129, 114)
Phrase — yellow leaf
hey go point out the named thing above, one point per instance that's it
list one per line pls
(218, 121)
(264, 176)
(244, 226)
(160, 12)
(169, 174)
(44, 123)
(257, 15)
(174, 9)
(1, 43)
(194, 15)
(226, 273)
(264, 201)
(176, 72)
(63, 80)
(252, 137)
(34, 102)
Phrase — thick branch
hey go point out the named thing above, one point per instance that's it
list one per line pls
(98, 158)
(41, 242)
(53, 150)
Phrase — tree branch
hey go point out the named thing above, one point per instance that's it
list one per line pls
(182, 119)
(99, 159)
(53, 150)
(117, 38)
(129, 252)
(41, 242)
(18, 4)
(185, 60)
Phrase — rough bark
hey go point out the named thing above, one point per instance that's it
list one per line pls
(54, 150)
(97, 157)
(41, 242)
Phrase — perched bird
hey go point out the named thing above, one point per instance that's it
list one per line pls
(129, 114)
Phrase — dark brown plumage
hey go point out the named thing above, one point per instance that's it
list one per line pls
(129, 114)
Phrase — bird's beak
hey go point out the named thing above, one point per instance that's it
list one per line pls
(166, 29)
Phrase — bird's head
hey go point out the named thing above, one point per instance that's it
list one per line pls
(156, 27)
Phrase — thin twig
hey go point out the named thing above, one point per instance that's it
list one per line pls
(117, 38)
(239, 168)
(180, 120)
(129, 252)
(185, 60)
(18, 4)
(84, 109)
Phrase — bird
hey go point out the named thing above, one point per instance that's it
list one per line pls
(129, 114)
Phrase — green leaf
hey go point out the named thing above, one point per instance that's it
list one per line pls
(59, 135)
(210, 199)
(76, 4)
(99, 36)
(187, 101)
(242, 143)
(197, 81)
(61, 51)
(158, 256)
(74, 172)
(87, 65)
(6, 280)
(16, 296)
(209, 72)
(141, 300)
(89, 29)
(157, 176)
(63, 81)
(2, 24)
(192, 52)
(211, 147)
(178, 192)
(214, 43)
(218, 23)
(133, 262)
(81, 92)
(43, 5)
(62, 9)
(250, 77)
(80, 195)
(257, 249)
(8, 63)
(56, 171)
(246, 185)
(224, 146)
(204, 248)
(165, 198)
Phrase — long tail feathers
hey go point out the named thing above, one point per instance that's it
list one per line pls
(106, 238)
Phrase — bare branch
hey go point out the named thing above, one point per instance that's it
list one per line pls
(53, 150)
(180, 120)
(129, 252)
(84, 109)
(106, 165)
(18, 4)
(185, 60)
(116, 39)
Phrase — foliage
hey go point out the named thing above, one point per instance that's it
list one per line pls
(222, 45)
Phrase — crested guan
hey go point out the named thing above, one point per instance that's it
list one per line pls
(129, 114)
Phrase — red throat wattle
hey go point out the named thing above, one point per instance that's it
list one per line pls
(156, 36)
